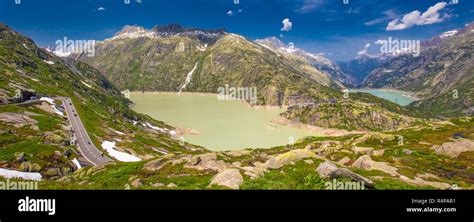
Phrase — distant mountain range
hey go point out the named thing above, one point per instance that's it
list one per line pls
(170, 56)
(360, 67)
(318, 61)
(173, 58)
(443, 74)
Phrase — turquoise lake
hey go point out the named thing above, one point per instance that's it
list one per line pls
(398, 97)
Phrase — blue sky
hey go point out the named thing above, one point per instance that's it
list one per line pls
(320, 26)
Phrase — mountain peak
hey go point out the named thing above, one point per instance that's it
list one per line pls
(134, 31)
(171, 28)
(177, 28)
(127, 29)
(206, 36)
(131, 32)
(4, 27)
(272, 42)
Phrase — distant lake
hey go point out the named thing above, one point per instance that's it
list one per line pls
(223, 125)
(399, 97)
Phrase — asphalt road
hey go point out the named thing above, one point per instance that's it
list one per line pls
(85, 145)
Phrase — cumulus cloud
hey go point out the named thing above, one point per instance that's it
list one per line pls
(101, 8)
(430, 16)
(287, 25)
(230, 13)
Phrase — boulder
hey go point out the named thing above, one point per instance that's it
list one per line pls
(207, 157)
(171, 185)
(378, 152)
(325, 169)
(4, 164)
(52, 172)
(29, 167)
(238, 153)
(347, 174)
(136, 183)
(365, 162)
(454, 149)
(19, 157)
(254, 171)
(420, 182)
(52, 138)
(157, 185)
(57, 155)
(362, 150)
(345, 160)
(230, 178)
(288, 157)
(376, 136)
(207, 161)
(35, 168)
(17, 119)
(25, 167)
(237, 164)
(195, 161)
(155, 165)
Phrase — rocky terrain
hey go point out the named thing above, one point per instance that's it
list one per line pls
(361, 66)
(318, 61)
(393, 148)
(279, 72)
(378, 160)
(35, 135)
(442, 75)
(167, 54)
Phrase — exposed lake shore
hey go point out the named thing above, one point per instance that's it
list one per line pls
(325, 131)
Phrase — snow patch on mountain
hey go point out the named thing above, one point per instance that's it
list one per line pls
(448, 34)
(17, 174)
(202, 48)
(133, 32)
(318, 61)
(61, 53)
(188, 78)
(120, 156)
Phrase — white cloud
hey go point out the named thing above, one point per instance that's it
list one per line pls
(430, 16)
(309, 6)
(287, 25)
(389, 15)
(364, 51)
(230, 13)
(101, 8)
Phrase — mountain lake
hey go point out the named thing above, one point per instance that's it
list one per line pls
(398, 97)
(222, 124)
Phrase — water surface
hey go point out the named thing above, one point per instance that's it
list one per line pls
(398, 97)
(223, 125)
